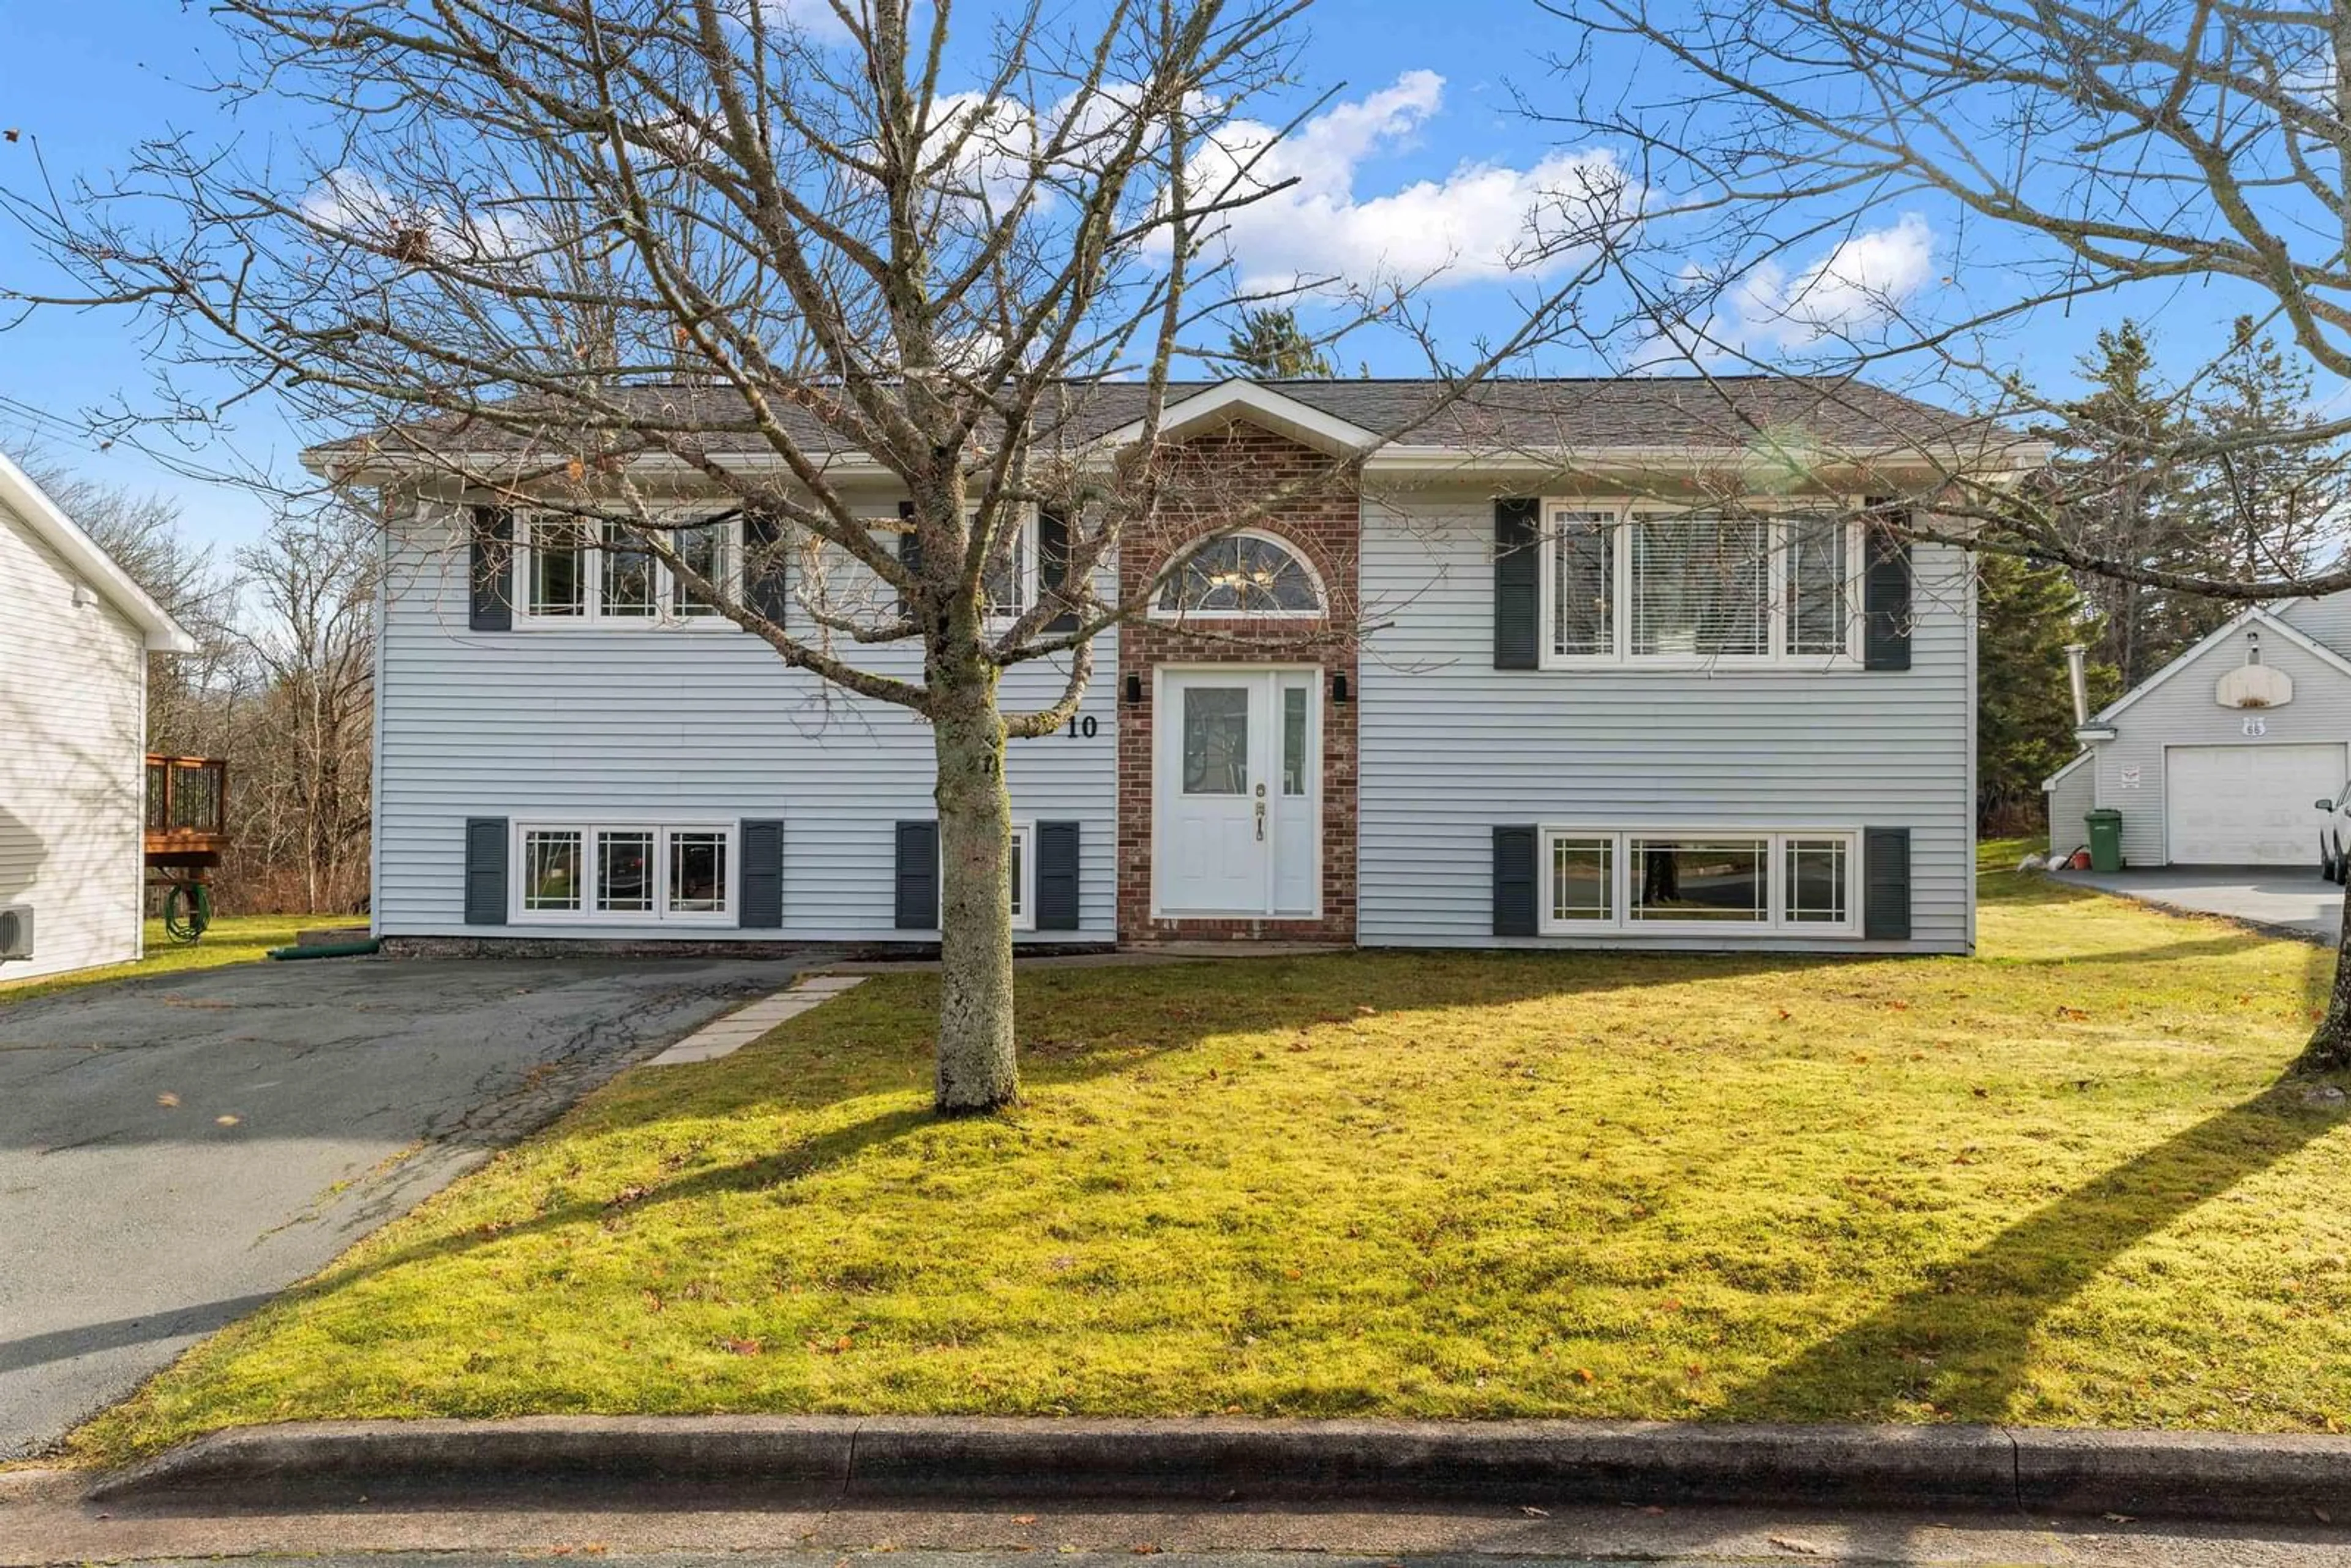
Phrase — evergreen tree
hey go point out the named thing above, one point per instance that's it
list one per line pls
(2026, 612)
(1271, 344)
(2268, 494)
(2117, 446)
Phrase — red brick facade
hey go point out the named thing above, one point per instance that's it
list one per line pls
(1241, 463)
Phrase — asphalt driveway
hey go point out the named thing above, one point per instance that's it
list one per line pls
(174, 1151)
(2294, 903)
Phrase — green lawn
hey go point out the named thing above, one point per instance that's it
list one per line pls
(232, 939)
(2060, 1183)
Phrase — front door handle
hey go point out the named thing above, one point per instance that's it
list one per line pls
(1260, 822)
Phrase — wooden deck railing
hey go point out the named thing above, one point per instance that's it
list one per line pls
(187, 805)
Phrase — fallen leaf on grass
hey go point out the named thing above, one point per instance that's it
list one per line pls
(742, 1346)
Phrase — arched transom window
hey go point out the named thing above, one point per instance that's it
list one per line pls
(1241, 574)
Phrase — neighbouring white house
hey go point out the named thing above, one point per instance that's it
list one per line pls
(74, 633)
(2218, 757)
(1604, 671)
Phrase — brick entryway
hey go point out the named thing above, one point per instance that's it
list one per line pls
(1322, 528)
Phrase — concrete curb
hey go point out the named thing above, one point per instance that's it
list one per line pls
(862, 1459)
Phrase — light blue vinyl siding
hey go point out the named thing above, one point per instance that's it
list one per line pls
(654, 725)
(1450, 747)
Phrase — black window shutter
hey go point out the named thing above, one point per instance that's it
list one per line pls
(764, 590)
(1053, 565)
(1518, 585)
(485, 870)
(1514, 881)
(490, 570)
(1057, 876)
(1885, 884)
(1886, 603)
(918, 876)
(910, 547)
(762, 874)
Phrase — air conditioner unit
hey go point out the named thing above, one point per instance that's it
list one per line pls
(15, 931)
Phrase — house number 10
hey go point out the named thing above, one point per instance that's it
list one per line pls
(1085, 728)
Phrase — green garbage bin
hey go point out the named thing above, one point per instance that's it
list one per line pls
(2106, 826)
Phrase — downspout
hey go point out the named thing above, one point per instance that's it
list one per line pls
(2079, 680)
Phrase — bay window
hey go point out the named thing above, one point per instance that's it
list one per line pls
(1608, 879)
(630, 873)
(576, 572)
(1633, 585)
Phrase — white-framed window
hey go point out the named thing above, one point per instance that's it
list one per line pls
(1632, 584)
(1242, 576)
(1010, 582)
(1800, 882)
(623, 874)
(1024, 876)
(567, 580)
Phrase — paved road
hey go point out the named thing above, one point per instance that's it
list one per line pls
(173, 1151)
(42, 1520)
(2299, 902)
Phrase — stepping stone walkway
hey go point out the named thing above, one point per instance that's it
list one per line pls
(737, 1030)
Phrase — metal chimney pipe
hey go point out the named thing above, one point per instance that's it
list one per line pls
(2074, 654)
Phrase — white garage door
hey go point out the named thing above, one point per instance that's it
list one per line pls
(2247, 805)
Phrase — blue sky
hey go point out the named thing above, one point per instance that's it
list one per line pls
(1426, 134)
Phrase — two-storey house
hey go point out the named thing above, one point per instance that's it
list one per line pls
(1606, 663)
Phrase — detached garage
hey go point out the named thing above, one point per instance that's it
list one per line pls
(2217, 758)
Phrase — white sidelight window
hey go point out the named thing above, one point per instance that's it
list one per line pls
(623, 874)
(1636, 585)
(579, 574)
(1024, 878)
(1609, 879)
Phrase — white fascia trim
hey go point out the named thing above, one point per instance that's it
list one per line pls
(1423, 461)
(377, 467)
(2256, 617)
(2049, 785)
(80, 552)
(1278, 412)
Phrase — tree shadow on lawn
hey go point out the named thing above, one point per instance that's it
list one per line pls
(1960, 1342)
(771, 1078)
(1868, 1369)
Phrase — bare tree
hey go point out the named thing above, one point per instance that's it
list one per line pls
(309, 632)
(566, 253)
(2135, 148)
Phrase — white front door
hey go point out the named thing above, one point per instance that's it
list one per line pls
(1237, 806)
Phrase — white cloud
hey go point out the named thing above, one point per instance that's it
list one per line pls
(1862, 283)
(814, 19)
(1481, 222)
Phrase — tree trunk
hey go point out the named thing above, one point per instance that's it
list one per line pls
(2329, 1048)
(977, 1069)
